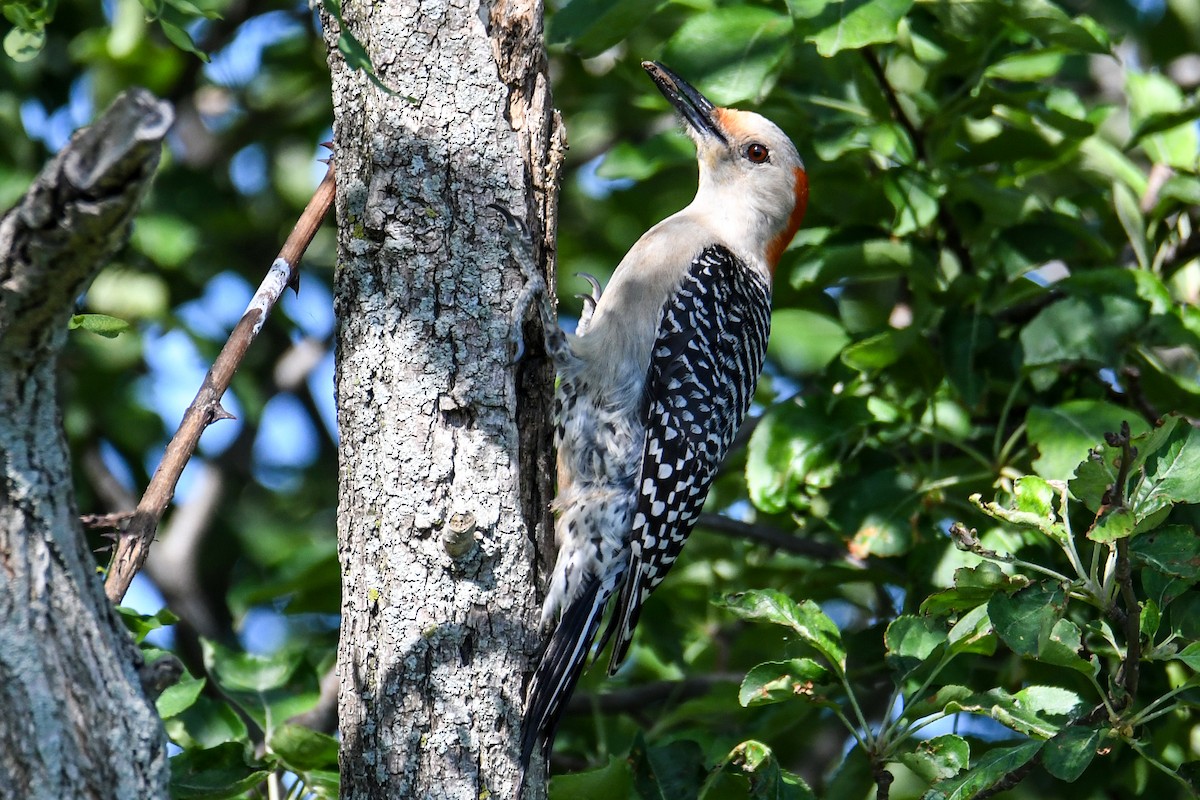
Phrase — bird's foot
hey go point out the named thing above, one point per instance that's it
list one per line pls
(533, 292)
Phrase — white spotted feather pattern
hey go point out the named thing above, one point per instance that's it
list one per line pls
(626, 509)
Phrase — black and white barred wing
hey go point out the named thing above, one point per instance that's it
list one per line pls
(712, 338)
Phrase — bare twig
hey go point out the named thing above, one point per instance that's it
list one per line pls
(174, 566)
(637, 698)
(770, 536)
(883, 781)
(106, 522)
(1133, 612)
(206, 408)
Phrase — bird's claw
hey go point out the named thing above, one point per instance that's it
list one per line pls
(519, 349)
(594, 282)
(535, 290)
(589, 302)
(514, 227)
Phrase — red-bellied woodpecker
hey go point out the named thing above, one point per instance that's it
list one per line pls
(654, 385)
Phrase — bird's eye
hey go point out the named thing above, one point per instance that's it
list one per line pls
(758, 153)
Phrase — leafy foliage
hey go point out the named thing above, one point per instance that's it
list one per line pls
(997, 271)
(972, 456)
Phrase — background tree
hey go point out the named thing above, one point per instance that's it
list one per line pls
(998, 268)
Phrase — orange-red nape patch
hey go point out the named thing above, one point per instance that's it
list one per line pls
(777, 245)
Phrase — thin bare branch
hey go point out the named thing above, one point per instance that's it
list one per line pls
(637, 698)
(770, 536)
(206, 408)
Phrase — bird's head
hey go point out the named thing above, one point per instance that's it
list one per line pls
(752, 181)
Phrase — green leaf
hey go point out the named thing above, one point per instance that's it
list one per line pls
(605, 783)
(302, 749)
(675, 770)
(1051, 701)
(966, 337)
(1034, 499)
(852, 779)
(993, 767)
(589, 27)
(1050, 24)
(914, 196)
(1130, 215)
(1113, 524)
(972, 587)
(1162, 467)
(804, 342)
(181, 39)
(768, 781)
(141, 624)
(169, 240)
(938, 702)
(1173, 550)
(101, 324)
(910, 640)
(24, 44)
(939, 758)
(1152, 98)
(1149, 620)
(206, 723)
(325, 783)
(1087, 328)
(1028, 65)
(871, 258)
(1063, 646)
(1069, 753)
(179, 697)
(776, 681)
(1190, 655)
(248, 671)
(735, 52)
(1163, 589)
(805, 618)
(1025, 620)
(1184, 188)
(972, 633)
(793, 449)
(852, 24)
(877, 513)
(1172, 474)
(1066, 433)
(1165, 121)
(193, 10)
(879, 351)
(215, 773)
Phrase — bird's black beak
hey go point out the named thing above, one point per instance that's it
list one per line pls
(697, 109)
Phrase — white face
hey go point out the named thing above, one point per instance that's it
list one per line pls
(756, 169)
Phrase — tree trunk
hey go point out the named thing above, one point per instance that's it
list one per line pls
(74, 720)
(439, 435)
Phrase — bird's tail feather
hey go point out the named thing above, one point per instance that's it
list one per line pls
(560, 668)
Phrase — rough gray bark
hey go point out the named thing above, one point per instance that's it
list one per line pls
(438, 433)
(74, 721)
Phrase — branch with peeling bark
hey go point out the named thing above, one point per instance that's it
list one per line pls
(134, 546)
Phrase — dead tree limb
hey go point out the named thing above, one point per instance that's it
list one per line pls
(133, 547)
